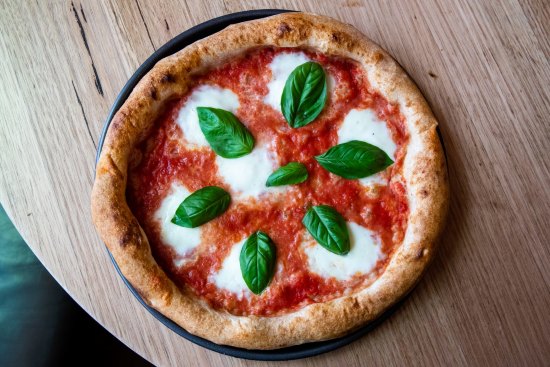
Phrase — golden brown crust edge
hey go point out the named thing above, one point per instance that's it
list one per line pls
(424, 170)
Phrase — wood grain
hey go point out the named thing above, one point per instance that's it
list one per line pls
(484, 68)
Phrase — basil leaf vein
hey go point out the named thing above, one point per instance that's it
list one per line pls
(227, 136)
(354, 159)
(202, 206)
(328, 228)
(304, 94)
(292, 173)
(257, 260)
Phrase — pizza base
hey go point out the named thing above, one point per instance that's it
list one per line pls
(424, 171)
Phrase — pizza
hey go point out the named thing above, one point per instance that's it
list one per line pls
(277, 183)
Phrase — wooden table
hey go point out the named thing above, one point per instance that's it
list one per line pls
(485, 71)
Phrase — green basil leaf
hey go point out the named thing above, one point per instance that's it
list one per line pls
(328, 228)
(292, 173)
(257, 261)
(354, 159)
(227, 136)
(304, 95)
(202, 206)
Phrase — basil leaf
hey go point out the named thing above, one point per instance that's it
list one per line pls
(227, 136)
(292, 173)
(257, 261)
(202, 206)
(304, 95)
(354, 159)
(328, 228)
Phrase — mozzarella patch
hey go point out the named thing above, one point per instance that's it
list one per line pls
(281, 66)
(247, 175)
(364, 254)
(181, 239)
(229, 277)
(364, 125)
(204, 96)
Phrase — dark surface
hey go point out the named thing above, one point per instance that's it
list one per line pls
(179, 42)
(40, 325)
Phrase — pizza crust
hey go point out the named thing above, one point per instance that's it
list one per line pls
(424, 171)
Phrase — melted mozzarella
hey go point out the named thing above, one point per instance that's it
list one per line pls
(364, 254)
(204, 96)
(247, 175)
(229, 276)
(364, 125)
(181, 239)
(281, 66)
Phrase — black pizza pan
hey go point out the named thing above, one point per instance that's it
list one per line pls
(300, 351)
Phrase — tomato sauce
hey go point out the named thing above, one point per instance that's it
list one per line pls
(165, 159)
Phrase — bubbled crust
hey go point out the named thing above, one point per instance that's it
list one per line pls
(424, 171)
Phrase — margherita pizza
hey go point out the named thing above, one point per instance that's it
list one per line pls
(276, 183)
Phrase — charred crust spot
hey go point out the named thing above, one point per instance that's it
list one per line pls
(377, 57)
(282, 29)
(424, 193)
(167, 78)
(131, 235)
(355, 303)
(118, 122)
(336, 37)
(154, 94)
(140, 104)
(126, 239)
